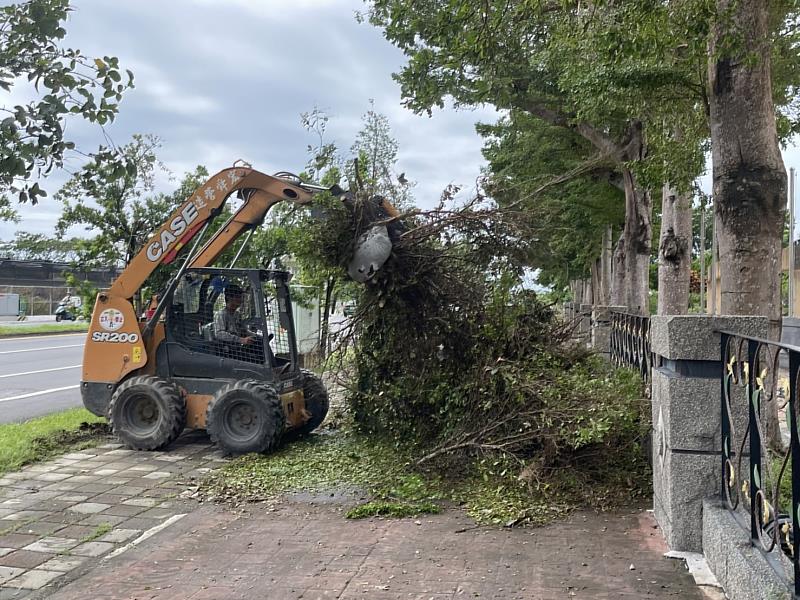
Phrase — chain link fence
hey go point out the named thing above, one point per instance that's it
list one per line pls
(37, 301)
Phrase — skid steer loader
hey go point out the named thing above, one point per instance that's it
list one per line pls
(218, 349)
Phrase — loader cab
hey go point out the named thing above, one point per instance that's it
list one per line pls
(230, 323)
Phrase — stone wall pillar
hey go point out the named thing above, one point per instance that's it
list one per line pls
(568, 312)
(686, 396)
(601, 329)
(585, 326)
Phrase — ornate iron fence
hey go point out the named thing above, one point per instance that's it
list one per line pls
(630, 343)
(759, 485)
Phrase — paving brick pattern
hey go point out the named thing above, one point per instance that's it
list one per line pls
(304, 548)
(57, 519)
(309, 551)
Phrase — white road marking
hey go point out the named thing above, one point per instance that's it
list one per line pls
(26, 338)
(37, 349)
(42, 393)
(147, 534)
(39, 371)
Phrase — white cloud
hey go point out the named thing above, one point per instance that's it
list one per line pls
(166, 96)
(219, 81)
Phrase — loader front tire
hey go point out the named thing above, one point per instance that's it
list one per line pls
(147, 413)
(246, 416)
(317, 402)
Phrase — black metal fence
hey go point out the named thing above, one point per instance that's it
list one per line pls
(760, 445)
(630, 343)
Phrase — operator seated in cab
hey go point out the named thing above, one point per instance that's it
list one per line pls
(229, 329)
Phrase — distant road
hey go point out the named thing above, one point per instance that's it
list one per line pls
(39, 375)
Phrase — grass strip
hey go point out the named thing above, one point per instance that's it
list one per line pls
(44, 437)
(15, 330)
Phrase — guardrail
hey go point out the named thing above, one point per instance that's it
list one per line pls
(759, 485)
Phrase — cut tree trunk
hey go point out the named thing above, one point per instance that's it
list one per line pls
(674, 252)
(748, 171)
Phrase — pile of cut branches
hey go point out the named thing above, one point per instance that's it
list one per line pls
(449, 353)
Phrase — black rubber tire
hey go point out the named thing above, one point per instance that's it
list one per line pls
(246, 416)
(58, 318)
(147, 413)
(317, 403)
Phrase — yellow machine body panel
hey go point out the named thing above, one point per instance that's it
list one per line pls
(294, 407)
(114, 345)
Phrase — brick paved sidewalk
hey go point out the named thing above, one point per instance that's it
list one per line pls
(51, 547)
(309, 551)
(57, 518)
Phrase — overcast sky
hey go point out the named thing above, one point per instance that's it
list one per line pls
(222, 80)
(219, 81)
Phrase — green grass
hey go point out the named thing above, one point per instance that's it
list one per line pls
(98, 532)
(14, 330)
(48, 436)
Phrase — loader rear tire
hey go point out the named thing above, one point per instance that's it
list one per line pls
(317, 402)
(246, 416)
(147, 413)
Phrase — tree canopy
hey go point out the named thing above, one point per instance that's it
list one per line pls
(62, 82)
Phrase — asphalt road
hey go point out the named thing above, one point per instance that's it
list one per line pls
(39, 375)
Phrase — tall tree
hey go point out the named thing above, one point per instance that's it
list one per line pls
(64, 82)
(674, 252)
(113, 199)
(376, 151)
(8, 212)
(567, 201)
(37, 246)
(567, 65)
(748, 172)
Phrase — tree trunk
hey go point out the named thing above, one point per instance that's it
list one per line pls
(674, 253)
(618, 272)
(637, 237)
(748, 171)
(605, 267)
(324, 333)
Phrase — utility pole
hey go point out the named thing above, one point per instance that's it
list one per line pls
(703, 253)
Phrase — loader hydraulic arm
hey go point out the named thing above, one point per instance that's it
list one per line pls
(260, 193)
